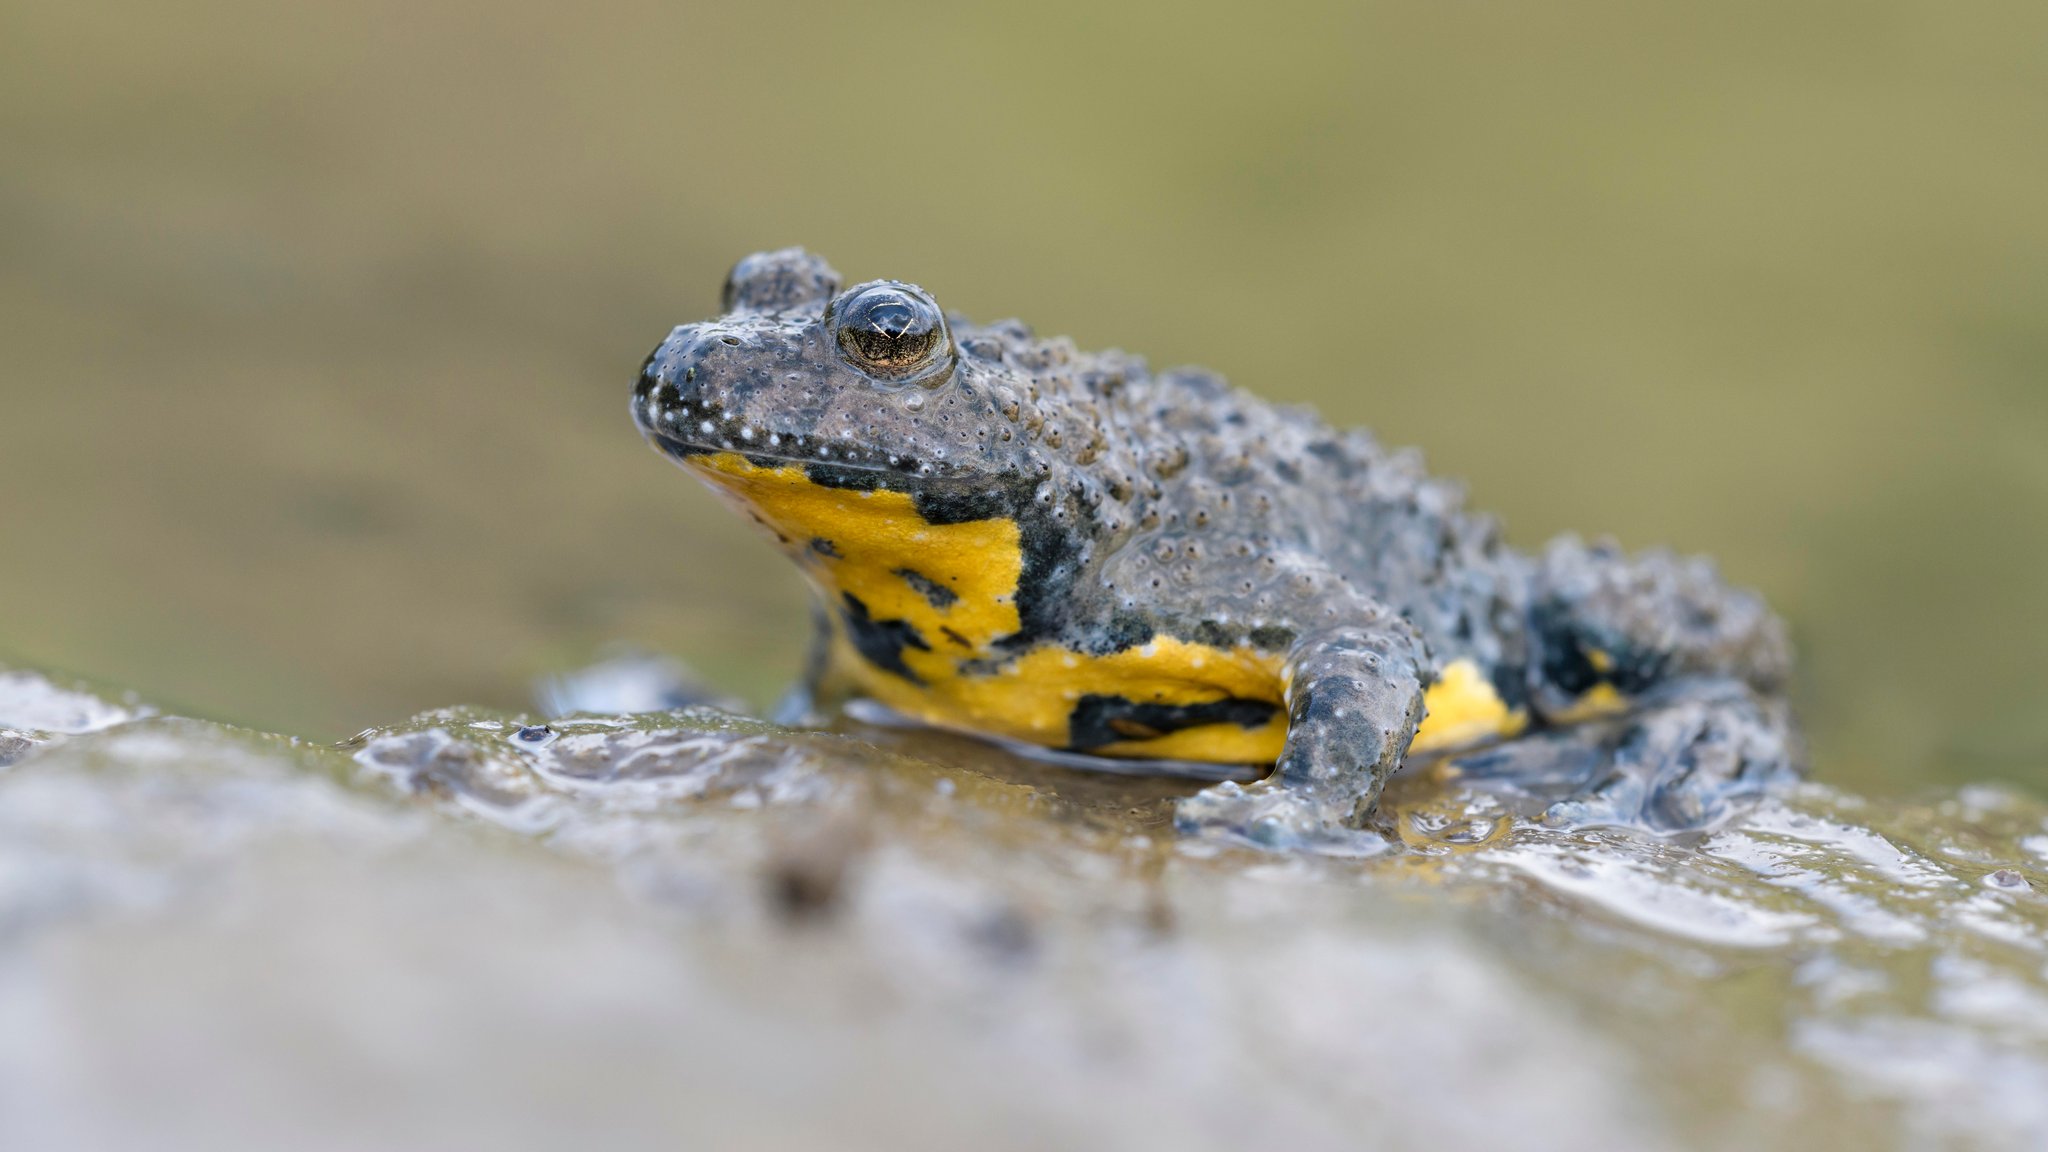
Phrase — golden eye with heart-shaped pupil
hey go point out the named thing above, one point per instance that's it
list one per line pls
(890, 331)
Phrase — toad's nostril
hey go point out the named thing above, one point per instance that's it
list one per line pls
(670, 376)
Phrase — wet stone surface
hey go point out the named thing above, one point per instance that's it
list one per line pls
(693, 929)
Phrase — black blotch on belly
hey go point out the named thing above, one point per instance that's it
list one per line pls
(1511, 684)
(1048, 551)
(1100, 720)
(824, 547)
(1564, 647)
(940, 596)
(1561, 657)
(881, 642)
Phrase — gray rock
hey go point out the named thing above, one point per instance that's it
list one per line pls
(692, 929)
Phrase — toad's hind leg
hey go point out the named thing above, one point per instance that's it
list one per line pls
(1354, 701)
(1685, 759)
(1699, 667)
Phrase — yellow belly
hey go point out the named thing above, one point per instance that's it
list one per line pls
(1032, 697)
(960, 680)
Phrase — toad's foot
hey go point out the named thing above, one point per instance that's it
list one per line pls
(1689, 764)
(1353, 702)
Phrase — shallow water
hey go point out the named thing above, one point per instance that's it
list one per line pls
(692, 926)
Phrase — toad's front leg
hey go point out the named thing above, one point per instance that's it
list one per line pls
(1354, 701)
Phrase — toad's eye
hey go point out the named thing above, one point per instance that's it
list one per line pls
(892, 332)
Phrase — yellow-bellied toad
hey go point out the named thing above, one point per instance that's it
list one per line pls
(1011, 537)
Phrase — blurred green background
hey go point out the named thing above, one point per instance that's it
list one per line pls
(317, 322)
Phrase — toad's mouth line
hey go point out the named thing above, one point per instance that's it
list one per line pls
(683, 450)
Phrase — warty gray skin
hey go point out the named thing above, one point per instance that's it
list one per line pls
(1172, 504)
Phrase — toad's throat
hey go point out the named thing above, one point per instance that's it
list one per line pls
(920, 613)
